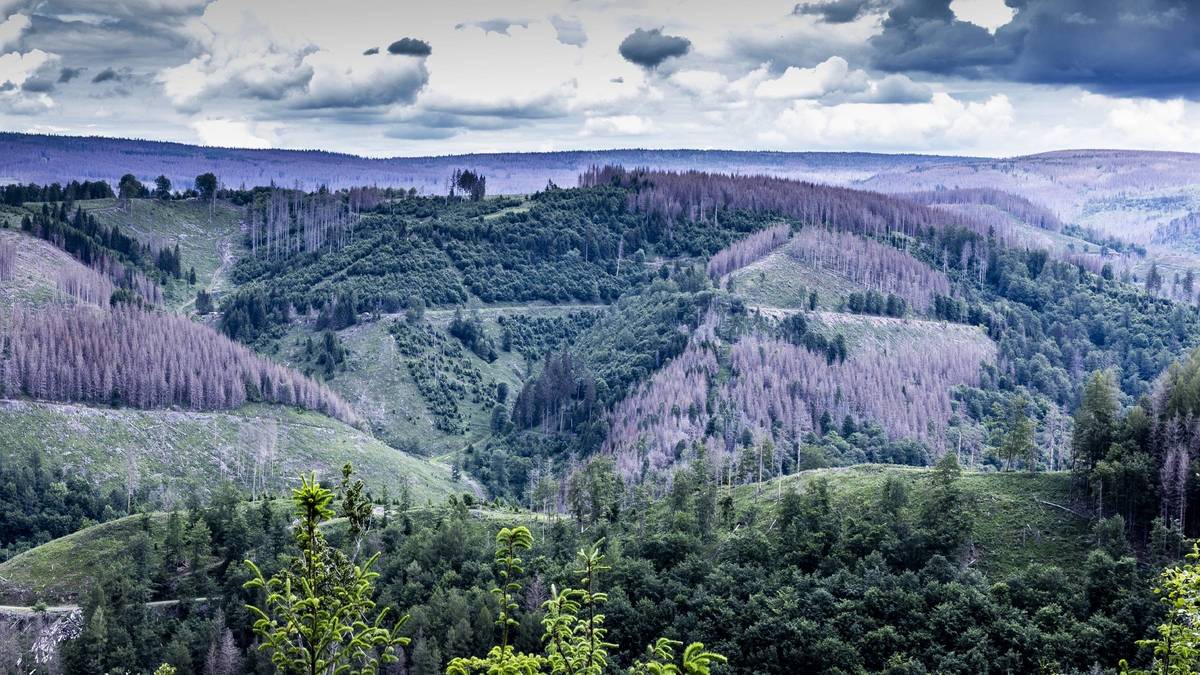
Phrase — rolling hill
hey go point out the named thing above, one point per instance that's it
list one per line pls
(165, 453)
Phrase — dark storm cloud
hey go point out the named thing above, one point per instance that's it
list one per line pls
(371, 52)
(838, 11)
(38, 85)
(106, 75)
(1135, 48)
(67, 74)
(139, 42)
(410, 47)
(649, 48)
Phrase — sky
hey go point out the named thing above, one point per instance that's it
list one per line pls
(401, 77)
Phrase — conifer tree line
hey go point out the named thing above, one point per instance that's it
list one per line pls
(869, 263)
(697, 196)
(127, 262)
(17, 194)
(746, 251)
(700, 196)
(144, 359)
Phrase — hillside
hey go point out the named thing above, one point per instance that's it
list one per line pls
(1020, 519)
(41, 274)
(166, 453)
(208, 237)
(381, 387)
(45, 159)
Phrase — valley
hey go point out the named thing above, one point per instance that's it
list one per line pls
(950, 401)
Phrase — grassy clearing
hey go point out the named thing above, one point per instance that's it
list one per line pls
(779, 280)
(35, 277)
(1017, 516)
(60, 570)
(208, 238)
(378, 385)
(258, 447)
(879, 333)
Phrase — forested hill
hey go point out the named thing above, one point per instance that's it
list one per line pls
(42, 159)
(683, 366)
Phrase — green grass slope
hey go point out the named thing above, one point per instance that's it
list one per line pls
(377, 383)
(35, 275)
(208, 238)
(60, 570)
(258, 447)
(1019, 518)
(779, 280)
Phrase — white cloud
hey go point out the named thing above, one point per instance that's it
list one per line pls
(944, 122)
(1145, 123)
(832, 75)
(355, 80)
(228, 133)
(989, 14)
(699, 82)
(242, 56)
(617, 125)
(16, 69)
(11, 30)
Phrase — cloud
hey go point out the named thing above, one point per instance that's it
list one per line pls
(649, 48)
(228, 133)
(410, 47)
(371, 52)
(944, 122)
(11, 30)
(527, 75)
(19, 69)
(617, 125)
(1146, 48)
(240, 57)
(360, 81)
(898, 88)
(832, 75)
(990, 14)
(107, 75)
(699, 82)
(39, 84)
(570, 31)
(66, 74)
(838, 11)
(500, 26)
(1147, 124)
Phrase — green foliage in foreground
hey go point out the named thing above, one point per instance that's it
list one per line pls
(317, 614)
(1177, 646)
(574, 633)
(870, 570)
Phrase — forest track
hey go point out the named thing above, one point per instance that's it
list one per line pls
(23, 611)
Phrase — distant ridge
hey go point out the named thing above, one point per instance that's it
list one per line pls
(36, 158)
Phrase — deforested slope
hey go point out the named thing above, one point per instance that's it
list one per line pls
(164, 453)
(144, 359)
